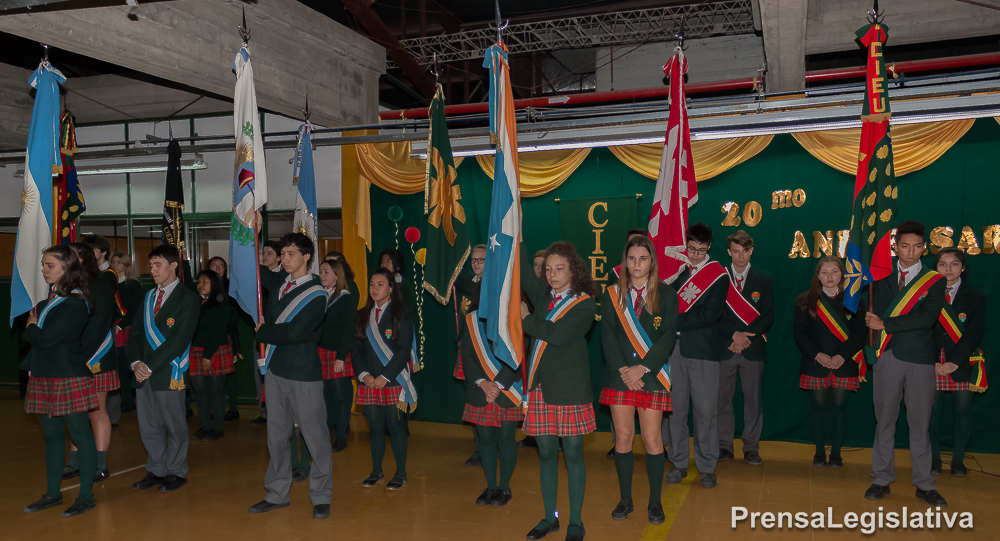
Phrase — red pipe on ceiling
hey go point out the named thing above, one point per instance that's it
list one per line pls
(915, 66)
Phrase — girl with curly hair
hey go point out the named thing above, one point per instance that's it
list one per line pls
(559, 364)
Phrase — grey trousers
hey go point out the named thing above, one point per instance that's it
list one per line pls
(258, 380)
(164, 431)
(694, 384)
(301, 402)
(750, 373)
(895, 381)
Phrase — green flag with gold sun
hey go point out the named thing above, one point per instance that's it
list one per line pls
(446, 237)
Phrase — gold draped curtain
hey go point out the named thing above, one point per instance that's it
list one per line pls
(914, 146)
(710, 157)
(543, 171)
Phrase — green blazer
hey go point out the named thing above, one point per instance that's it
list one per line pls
(467, 293)
(215, 326)
(338, 325)
(295, 356)
(56, 349)
(757, 283)
(971, 303)
(564, 369)
(699, 326)
(813, 337)
(131, 294)
(474, 395)
(98, 325)
(183, 307)
(661, 328)
(363, 354)
(912, 333)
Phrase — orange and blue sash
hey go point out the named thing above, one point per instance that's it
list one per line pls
(836, 324)
(636, 334)
(491, 365)
(906, 300)
(557, 312)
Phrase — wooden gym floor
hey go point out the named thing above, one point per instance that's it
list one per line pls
(438, 502)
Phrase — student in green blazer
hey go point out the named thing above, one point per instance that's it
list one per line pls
(381, 357)
(231, 385)
(830, 338)
(905, 369)
(392, 260)
(97, 346)
(492, 405)
(638, 331)
(746, 353)
(60, 390)
(131, 293)
(954, 372)
(212, 357)
(291, 327)
(169, 311)
(335, 344)
(352, 285)
(467, 288)
(270, 267)
(560, 364)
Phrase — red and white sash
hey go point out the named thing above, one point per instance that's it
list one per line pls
(696, 285)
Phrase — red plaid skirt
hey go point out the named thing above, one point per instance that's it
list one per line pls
(222, 362)
(459, 372)
(107, 381)
(491, 415)
(60, 396)
(386, 396)
(327, 358)
(813, 383)
(549, 420)
(121, 337)
(647, 400)
(945, 383)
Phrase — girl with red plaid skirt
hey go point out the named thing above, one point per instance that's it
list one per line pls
(335, 348)
(467, 288)
(211, 356)
(641, 310)
(60, 387)
(380, 391)
(828, 369)
(559, 367)
(954, 372)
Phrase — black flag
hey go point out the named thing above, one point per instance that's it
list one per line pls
(173, 199)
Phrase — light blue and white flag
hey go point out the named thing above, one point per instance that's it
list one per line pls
(249, 190)
(304, 179)
(34, 230)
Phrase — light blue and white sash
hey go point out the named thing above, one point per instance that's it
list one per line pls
(488, 360)
(331, 301)
(289, 313)
(636, 334)
(155, 338)
(94, 363)
(408, 393)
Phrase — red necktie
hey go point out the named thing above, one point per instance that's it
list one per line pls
(902, 279)
(288, 287)
(378, 315)
(739, 284)
(159, 302)
(951, 293)
(637, 304)
(555, 300)
(52, 296)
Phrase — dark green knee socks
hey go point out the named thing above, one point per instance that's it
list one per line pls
(654, 469)
(625, 463)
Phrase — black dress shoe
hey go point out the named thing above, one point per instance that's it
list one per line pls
(44, 503)
(473, 460)
(819, 460)
(836, 462)
(259, 421)
(725, 454)
(753, 458)
(79, 507)
(396, 482)
(231, 415)
(373, 479)
(501, 498)
(932, 497)
(676, 475)
(214, 435)
(935, 467)
(544, 528)
(656, 515)
(575, 533)
(959, 470)
(69, 473)
(708, 480)
(264, 506)
(485, 497)
(876, 492)
(171, 483)
(199, 434)
(611, 454)
(339, 446)
(101, 475)
(299, 475)
(321, 510)
(621, 511)
(149, 481)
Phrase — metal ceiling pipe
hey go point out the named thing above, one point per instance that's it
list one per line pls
(913, 66)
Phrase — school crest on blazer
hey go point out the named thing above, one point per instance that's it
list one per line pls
(962, 317)
(755, 296)
(656, 322)
(170, 322)
(388, 334)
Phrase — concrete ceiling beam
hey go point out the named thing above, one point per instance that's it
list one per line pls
(784, 27)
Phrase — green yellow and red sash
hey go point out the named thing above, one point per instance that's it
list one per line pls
(906, 300)
(637, 335)
(836, 324)
(692, 290)
(557, 312)
(955, 327)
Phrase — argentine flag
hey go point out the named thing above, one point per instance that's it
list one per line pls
(34, 230)
(305, 220)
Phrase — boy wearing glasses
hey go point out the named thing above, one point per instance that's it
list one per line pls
(467, 294)
(694, 363)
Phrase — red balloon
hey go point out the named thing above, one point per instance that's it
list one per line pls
(412, 235)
